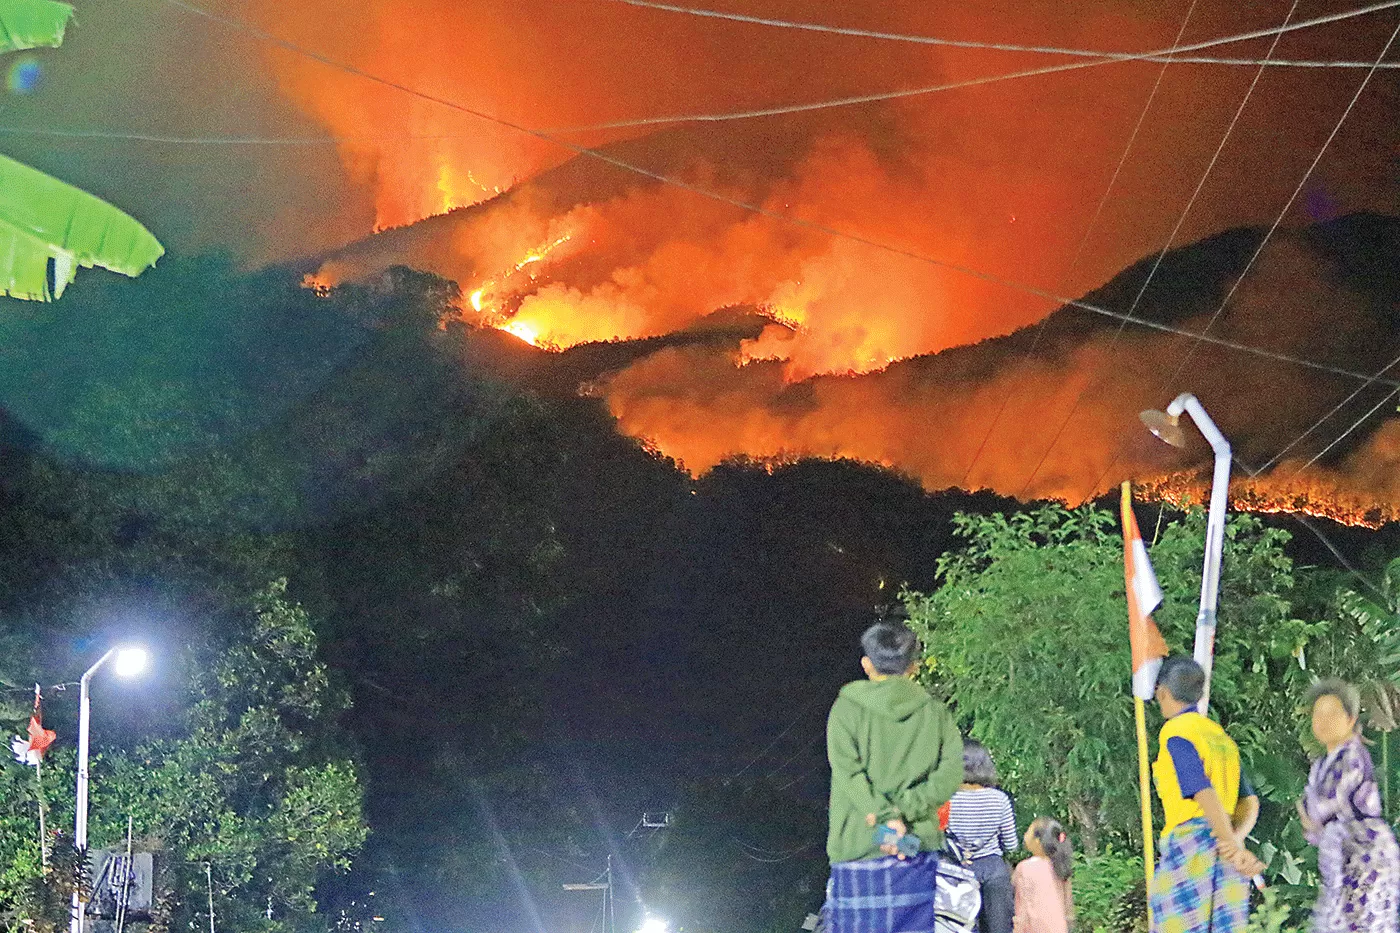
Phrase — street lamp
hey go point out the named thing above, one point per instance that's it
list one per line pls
(1167, 426)
(128, 661)
(653, 924)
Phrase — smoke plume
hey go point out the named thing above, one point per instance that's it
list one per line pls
(872, 351)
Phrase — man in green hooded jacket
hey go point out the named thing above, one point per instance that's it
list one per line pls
(896, 757)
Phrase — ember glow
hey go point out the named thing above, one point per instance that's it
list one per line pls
(873, 353)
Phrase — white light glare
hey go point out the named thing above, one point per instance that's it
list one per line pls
(655, 925)
(131, 661)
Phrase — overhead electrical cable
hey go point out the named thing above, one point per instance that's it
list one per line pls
(1105, 58)
(226, 140)
(764, 751)
(1343, 436)
(789, 219)
(1336, 408)
(1166, 247)
(954, 85)
(793, 757)
(1302, 182)
(976, 44)
(1249, 265)
(1044, 325)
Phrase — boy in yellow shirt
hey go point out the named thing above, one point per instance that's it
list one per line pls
(1201, 880)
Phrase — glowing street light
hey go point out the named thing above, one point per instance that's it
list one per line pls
(129, 661)
(1167, 426)
(654, 925)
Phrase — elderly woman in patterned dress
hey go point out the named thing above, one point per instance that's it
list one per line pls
(1357, 853)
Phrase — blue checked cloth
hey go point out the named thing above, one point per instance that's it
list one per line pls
(882, 895)
(1193, 891)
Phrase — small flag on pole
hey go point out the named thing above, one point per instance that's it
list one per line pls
(1144, 595)
(30, 751)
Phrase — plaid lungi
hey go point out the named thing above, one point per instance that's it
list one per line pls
(882, 895)
(1193, 891)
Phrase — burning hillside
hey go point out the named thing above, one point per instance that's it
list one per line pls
(878, 241)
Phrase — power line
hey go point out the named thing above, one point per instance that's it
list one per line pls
(1291, 199)
(768, 856)
(1308, 524)
(1356, 424)
(802, 775)
(1166, 247)
(212, 140)
(1336, 408)
(1204, 334)
(798, 718)
(1044, 325)
(955, 85)
(1104, 58)
(970, 44)
(793, 757)
(759, 210)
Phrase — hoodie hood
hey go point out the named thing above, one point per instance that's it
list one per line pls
(895, 698)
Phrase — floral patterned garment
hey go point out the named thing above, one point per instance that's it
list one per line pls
(1356, 850)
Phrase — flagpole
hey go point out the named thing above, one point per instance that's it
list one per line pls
(43, 830)
(37, 717)
(1144, 776)
(1144, 787)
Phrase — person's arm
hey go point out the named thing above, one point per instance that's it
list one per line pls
(922, 800)
(1245, 816)
(1191, 778)
(1246, 809)
(849, 772)
(1010, 841)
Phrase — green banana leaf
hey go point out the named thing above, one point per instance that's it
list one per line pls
(29, 24)
(43, 219)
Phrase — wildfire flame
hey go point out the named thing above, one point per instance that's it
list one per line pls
(488, 299)
(1281, 495)
(525, 331)
(317, 284)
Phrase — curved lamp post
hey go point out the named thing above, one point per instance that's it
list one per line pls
(128, 662)
(1167, 426)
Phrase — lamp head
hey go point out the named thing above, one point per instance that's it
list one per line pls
(1166, 427)
(654, 925)
(130, 662)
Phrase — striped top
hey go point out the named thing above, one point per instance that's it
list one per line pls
(984, 822)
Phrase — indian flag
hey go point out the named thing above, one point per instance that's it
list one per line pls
(1144, 595)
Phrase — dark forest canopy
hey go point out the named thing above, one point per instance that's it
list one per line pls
(531, 629)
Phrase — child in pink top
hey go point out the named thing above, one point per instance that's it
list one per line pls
(1044, 900)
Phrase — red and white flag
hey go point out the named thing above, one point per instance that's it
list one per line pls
(1144, 595)
(30, 751)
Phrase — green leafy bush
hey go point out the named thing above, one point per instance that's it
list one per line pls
(1109, 891)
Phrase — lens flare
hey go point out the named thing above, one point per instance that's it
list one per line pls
(25, 75)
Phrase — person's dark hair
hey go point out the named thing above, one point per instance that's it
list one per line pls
(890, 646)
(1183, 679)
(1346, 694)
(977, 764)
(1055, 841)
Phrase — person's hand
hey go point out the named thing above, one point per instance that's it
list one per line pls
(1246, 862)
(1309, 827)
(892, 848)
(1228, 849)
(870, 820)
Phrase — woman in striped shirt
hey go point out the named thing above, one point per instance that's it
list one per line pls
(981, 817)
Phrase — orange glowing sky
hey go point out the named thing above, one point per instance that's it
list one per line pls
(1004, 178)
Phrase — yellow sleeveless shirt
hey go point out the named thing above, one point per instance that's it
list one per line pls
(1219, 756)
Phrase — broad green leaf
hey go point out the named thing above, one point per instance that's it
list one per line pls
(45, 220)
(30, 24)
